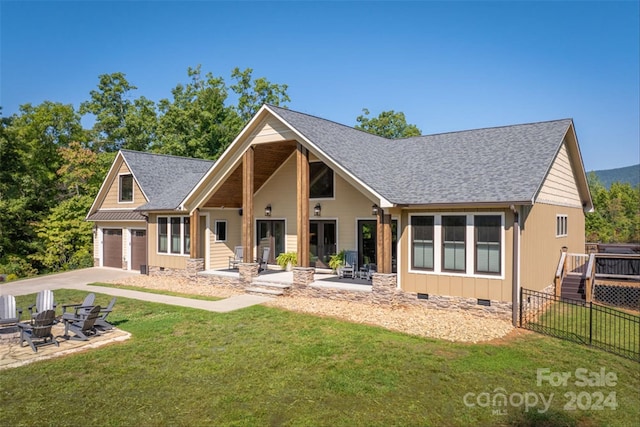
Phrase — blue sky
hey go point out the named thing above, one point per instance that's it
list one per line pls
(447, 65)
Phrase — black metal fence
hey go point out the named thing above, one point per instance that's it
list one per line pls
(591, 324)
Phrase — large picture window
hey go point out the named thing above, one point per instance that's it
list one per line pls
(126, 188)
(487, 233)
(422, 242)
(469, 244)
(320, 181)
(174, 235)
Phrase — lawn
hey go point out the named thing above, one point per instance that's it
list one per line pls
(265, 366)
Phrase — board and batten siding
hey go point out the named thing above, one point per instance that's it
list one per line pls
(162, 260)
(540, 249)
(112, 196)
(497, 289)
(560, 187)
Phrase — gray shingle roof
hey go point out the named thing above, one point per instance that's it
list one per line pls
(492, 165)
(165, 180)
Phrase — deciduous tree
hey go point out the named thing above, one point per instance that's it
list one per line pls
(389, 124)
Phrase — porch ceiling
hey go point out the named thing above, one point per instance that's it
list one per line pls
(268, 158)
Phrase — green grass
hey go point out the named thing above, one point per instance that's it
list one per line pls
(265, 366)
(155, 291)
(607, 328)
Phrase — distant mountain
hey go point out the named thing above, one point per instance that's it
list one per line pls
(630, 174)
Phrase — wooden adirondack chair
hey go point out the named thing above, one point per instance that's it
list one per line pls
(9, 314)
(81, 326)
(37, 332)
(236, 258)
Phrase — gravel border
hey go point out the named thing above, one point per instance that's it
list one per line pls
(456, 326)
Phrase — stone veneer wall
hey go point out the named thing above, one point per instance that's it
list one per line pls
(384, 290)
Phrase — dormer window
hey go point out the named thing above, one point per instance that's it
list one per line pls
(126, 188)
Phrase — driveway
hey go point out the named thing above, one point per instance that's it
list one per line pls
(78, 279)
(70, 279)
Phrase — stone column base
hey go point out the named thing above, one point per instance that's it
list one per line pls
(248, 271)
(303, 276)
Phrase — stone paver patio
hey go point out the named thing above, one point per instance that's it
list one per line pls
(12, 354)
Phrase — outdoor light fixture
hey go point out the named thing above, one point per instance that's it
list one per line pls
(374, 210)
(317, 209)
(267, 210)
(240, 212)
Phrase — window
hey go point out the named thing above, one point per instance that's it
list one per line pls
(320, 181)
(561, 226)
(453, 243)
(221, 231)
(174, 235)
(487, 233)
(126, 188)
(187, 235)
(422, 242)
(162, 235)
(448, 244)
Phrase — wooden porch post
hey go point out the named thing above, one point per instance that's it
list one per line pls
(247, 204)
(383, 242)
(194, 231)
(302, 163)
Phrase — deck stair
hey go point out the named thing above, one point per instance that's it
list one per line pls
(573, 287)
(268, 288)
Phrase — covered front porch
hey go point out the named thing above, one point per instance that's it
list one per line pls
(284, 280)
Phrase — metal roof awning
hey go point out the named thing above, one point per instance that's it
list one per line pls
(116, 216)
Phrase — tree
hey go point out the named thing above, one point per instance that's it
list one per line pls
(65, 237)
(388, 124)
(253, 94)
(616, 216)
(199, 121)
(78, 172)
(30, 159)
(120, 122)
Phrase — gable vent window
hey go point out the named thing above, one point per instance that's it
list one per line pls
(126, 188)
(561, 226)
(320, 181)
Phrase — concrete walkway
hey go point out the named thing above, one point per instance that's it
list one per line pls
(78, 279)
(13, 354)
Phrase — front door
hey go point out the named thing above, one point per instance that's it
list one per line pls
(270, 233)
(322, 242)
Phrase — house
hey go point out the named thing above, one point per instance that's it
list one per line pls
(467, 216)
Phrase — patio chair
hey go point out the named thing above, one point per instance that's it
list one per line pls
(236, 258)
(81, 309)
(262, 261)
(81, 326)
(44, 301)
(350, 266)
(101, 321)
(37, 332)
(9, 314)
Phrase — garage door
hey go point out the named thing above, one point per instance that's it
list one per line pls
(138, 249)
(112, 247)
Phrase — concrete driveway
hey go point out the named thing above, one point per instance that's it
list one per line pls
(78, 279)
(70, 280)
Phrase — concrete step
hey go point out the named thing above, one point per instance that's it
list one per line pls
(266, 284)
(263, 291)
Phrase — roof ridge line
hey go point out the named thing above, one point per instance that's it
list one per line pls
(166, 155)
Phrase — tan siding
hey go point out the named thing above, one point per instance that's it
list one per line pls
(280, 192)
(111, 198)
(161, 260)
(560, 186)
(455, 285)
(221, 251)
(540, 248)
(272, 130)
